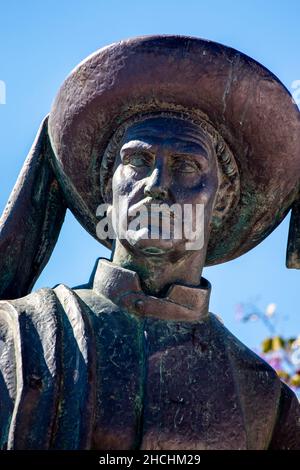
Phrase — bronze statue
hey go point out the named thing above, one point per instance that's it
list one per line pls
(133, 359)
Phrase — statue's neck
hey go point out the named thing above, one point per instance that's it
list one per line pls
(157, 273)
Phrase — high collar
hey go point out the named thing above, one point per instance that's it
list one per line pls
(123, 287)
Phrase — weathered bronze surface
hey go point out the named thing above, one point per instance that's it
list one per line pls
(134, 359)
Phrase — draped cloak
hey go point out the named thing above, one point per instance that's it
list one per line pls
(105, 366)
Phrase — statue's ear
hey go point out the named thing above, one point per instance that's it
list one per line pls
(31, 221)
(293, 247)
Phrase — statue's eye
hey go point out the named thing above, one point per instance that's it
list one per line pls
(137, 160)
(185, 166)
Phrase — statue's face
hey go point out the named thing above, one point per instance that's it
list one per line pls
(170, 161)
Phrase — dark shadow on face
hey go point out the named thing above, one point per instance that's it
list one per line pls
(170, 161)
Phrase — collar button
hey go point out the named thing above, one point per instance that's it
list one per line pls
(139, 305)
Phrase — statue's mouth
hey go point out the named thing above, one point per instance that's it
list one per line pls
(153, 250)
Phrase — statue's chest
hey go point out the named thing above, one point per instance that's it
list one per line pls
(164, 386)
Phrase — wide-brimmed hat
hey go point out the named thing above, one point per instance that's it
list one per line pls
(244, 102)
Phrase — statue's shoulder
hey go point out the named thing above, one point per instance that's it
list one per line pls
(47, 304)
(257, 383)
(35, 316)
(277, 410)
(46, 371)
(244, 359)
(44, 309)
(27, 303)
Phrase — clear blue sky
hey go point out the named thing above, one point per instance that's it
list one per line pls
(40, 42)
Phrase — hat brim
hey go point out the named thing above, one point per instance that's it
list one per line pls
(247, 104)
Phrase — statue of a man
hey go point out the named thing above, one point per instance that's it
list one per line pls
(134, 359)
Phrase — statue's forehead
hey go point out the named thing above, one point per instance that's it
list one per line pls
(171, 129)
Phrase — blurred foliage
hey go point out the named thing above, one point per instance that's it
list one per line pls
(283, 354)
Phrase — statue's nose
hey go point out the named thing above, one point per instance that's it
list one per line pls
(157, 184)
